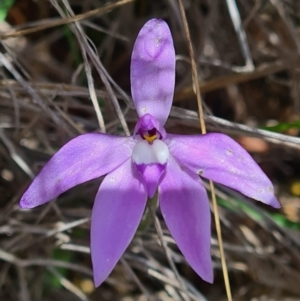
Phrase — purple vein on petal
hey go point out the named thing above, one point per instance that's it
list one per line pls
(153, 70)
(84, 158)
(117, 212)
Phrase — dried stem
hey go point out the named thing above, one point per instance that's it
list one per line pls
(203, 129)
(166, 249)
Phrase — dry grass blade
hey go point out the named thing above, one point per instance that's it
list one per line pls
(167, 252)
(234, 128)
(87, 67)
(237, 23)
(100, 68)
(59, 22)
(15, 156)
(68, 285)
(203, 129)
(224, 81)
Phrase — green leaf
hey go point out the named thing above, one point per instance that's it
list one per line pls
(278, 218)
(5, 6)
(283, 126)
(51, 280)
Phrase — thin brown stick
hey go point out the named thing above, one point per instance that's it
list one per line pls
(222, 82)
(59, 22)
(88, 69)
(203, 129)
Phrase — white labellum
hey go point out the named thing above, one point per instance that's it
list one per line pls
(145, 153)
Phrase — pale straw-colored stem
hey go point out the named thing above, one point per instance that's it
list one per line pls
(203, 130)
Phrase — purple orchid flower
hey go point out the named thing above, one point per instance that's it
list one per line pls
(150, 160)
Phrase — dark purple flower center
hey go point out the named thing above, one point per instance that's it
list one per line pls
(150, 155)
(150, 135)
(149, 129)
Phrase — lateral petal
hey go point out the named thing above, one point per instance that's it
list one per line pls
(117, 212)
(84, 158)
(152, 71)
(185, 207)
(219, 158)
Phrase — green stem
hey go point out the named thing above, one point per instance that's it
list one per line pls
(146, 220)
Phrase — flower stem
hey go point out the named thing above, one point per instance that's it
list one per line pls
(146, 220)
(159, 231)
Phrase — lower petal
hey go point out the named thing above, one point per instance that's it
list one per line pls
(151, 174)
(117, 212)
(185, 207)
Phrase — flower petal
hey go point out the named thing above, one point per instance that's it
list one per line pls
(151, 174)
(146, 123)
(219, 158)
(150, 160)
(118, 209)
(146, 153)
(153, 70)
(185, 207)
(84, 158)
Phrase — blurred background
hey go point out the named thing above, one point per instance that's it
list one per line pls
(59, 79)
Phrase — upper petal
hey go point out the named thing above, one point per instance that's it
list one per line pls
(219, 158)
(84, 158)
(117, 212)
(185, 208)
(153, 70)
